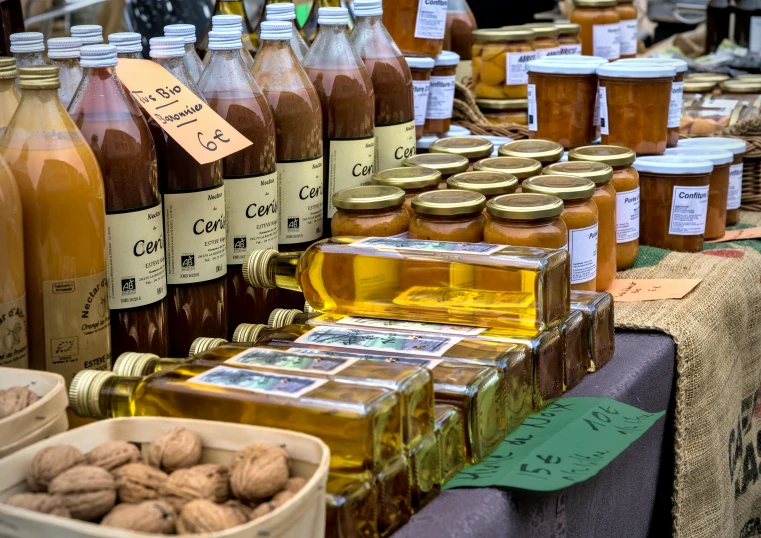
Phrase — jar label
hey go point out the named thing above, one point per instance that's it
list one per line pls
(675, 105)
(441, 98)
(252, 221)
(689, 208)
(420, 90)
(431, 19)
(427, 246)
(77, 325)
(532, 119)
(351, 165)
(280, 360)
(582, 247)
(554, 51)
(627, 216)
(628, 37)
(287, 386)
(428, 364)
(570, 50)
(460, 330)
(195, 230)
(517, 67)
(734, 199)
(14, 352)
(601, 110)
(393, 144)
(301, 198)
(136, 257)
(605, 41)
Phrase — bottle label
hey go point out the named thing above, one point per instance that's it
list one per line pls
(459, 330)
(194, 225)
(605, 41)
(393, 144)
(517, 67)
(482, 249)
(440, 98)
(734, 199)
(582, 246)
(287, 386)
(276, 359)
(420, 89)
(301, 199)
(135, 255)
(570, 50)
(554, 51)
(351, 338)
(627, 216)
(252, 221)
(351, 165)
(13, 351)
(675, 105)
(628, 37)
(532, 119)
(602, 104)
(689, 209)
(77, 325)
(459, 298)
(429, 364)
(431, 19)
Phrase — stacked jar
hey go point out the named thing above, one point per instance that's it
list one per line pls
(569, 38)
(600, 28)
(369, 211)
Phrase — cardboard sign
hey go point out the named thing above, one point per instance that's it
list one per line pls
(188, 120)
(651, 289)
(738, 235)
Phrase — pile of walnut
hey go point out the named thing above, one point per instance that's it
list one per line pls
(15, 399)
(171, 493)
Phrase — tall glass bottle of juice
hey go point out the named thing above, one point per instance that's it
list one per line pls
(348, 107)
(458, 36)
(196, 264)
(63, 53)
(128, 45)
(64, 230)
(234, 7)
(251, 187)
(28, 48)
(309, 30)
(118, 134)
(89, 34)
(392, 81)
(286, 11)
(229, 23)
(9, 94)
(187, 32)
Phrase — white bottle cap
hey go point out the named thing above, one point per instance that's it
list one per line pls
(368, 8)
(226, 39)
(60, 48)
(98, 56)
(227, 22)
(27, 42)
(185, 31)
(276, 30)
(167, 47)
(333, 16)
(447, 57)
(284, 11)
(126, 42)
(90, 34)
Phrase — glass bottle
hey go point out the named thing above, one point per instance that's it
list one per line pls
(63, 52)
(286, 11)
(28, 48)
(229, 23)
(234, 7)
(198, 304)
(187, 32)
(392, 82)
(458, 36)
(309, 29)
(64, 230)
(88, 34)
(251, 188)
(450, 433)
(118, 134)
(9, 94)
(597, 308)
(129, 45)
(347, 103)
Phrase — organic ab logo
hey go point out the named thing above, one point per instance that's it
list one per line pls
(13, 338)
(188, 261)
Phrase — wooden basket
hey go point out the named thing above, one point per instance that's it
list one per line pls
(467, 114)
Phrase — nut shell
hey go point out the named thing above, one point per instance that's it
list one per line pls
(258, 472)
(238, 511)
(138, 482)
(179, 448)
(87, 491)
(40, 502)
(201, 516)
(113, 454)
(49, 463)
(155, 517)
(209, 481)
(295, 484)
(16, 399)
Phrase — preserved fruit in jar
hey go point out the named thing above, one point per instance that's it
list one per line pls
(490, 184)
(449, 215)
(370, 211)
(627, 33)
(600, 30)
(500, 57)
(417, 26)
(526, 220)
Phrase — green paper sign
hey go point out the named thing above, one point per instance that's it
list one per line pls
(566, 443)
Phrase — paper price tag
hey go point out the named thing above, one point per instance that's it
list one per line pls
(738, 235)
(188, 120)
(651, 289)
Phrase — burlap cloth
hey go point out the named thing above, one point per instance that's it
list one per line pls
(717, 331)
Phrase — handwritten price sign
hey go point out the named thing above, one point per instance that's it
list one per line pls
(188, 120)
(568, 442)
(651, 289)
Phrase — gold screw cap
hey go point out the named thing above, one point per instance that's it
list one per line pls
(257, 269)
(133, 364)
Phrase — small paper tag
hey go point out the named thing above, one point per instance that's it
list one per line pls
(737, 235)
(651, 289)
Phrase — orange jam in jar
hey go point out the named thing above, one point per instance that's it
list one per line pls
(600, 28)
(526, 220)
(473, 148)
(420, 68)
(413, 180)
(449, 215)
(544, 151)
(504, 111)
(417, 26)
(369, 211)
(627, 32)
(446, 164)
(546, 42)
(499, 62)
(520, 167)
(438, 111)
(569, 38)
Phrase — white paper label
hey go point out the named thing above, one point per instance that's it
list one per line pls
(627, 216)
(532, 119)
(393, 144)
(440, 98)
(460, 330)
(287, 386)
(689, 209)
(675, 105)
(570, 50)
(301, 198)
(516, 66)
(582, 246)
(596, 119)
(427, 246)
(14, 352)
(351, 165)
(754, 43)
(603, 106)
(135, 256)
(554, 51)
(195, 231)
(429, 364)
(278, 359)
(605, 41)
(420, 90)
(431, 19)
(628, 37)
(734, 199)
(252, 220)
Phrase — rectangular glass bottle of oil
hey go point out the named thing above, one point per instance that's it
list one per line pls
(450, 432)
(576, 357)
(598, 309)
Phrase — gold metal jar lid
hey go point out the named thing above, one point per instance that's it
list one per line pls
(564, 187)
(408, 177)
(470, 147)
(525, 206)
(520, 167)
(610, 155)
(486, 183)
(706, 77)
(368, 197)
(543, 29)
(446, 163)
(568, 28)
(594, 171)
(741, 86)
(595, 3)
(748, 78)
(39, 78)
(8, 68)
(448, 202)
(506, 33)
(542, 150)
(698, 86)
(502, 104)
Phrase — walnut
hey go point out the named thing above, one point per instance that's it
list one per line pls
(137, 482)
(40, 502)
(258, 471)
(276, 502)
(261, 510)
(281, 498)
(208, 481)
(113, 454)
(176, 449)
(202, 516)
(237, 510)
(87, 491)
(49, 463)
(295, 484)
(15, 399)
(155, 517)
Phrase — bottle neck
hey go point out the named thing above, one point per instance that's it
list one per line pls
(285, 267)
(368, 22)
(7, 85)
(115, 398)
(176, 66)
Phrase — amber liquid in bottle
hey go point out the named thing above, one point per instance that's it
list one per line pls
(249, 38)
(9, 94)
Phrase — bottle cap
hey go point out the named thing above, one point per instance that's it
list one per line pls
(90, 34)
(202, 344)
(408, 178)
(610, 155)
(126, 42)
(8, 68)
(446, 163)
(569, 67)
(333, 16)
(133, 364)
(276, 31)
(308, 308)
(248, 333)
(167, 47)
(284, 11)
(368, 8)
(487, 183)
(40, 77)
(84, 392)
(227, 39)
(448, 202)
(64, 47)
(226, 22)
(368, 197)
(27, 42)
(520, 167)
(544, 151)
(525, 206)
(564, 187)
(98, 56)
(257, 269)
(184, 31)
(280, 317)
(594, 171)
(470, 147)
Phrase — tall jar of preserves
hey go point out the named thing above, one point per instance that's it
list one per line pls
(449, 215)
(599, 21)
(417, 26)
(500, 59)
(569, 37)
(438, 113)
(526, 220)
(627, 36)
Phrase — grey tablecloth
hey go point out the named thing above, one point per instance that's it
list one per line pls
(631, 497)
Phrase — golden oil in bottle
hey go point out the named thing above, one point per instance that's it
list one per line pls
(576, 358)
(352, 507)
(598, 309)
(450, 433)
(425, 465)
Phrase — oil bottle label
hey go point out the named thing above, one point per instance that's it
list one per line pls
(393, 144)
(351, 165)
(77, 322)
(457, 299)
(287, 386)
(428, 364)
(301, 200)
(276, 359)
(252, 220)
(423, 363)
(195, 223)
(460, 330)
(135, 255)
(13, 351)
(428, 246)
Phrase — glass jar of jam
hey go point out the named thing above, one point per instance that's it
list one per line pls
(413, 180)
(544, 151)
(569, 38)
(473, 148)
(599, 21)
(674, 201)
(580, 216)
(526, 220)
(417, 26)
(504, 111)
(490, 184)
(605, 199)
(369, 211)
(446, 164)
(627, 33)
(520, 167)
(546, 42)
(499, 62)
(438, 112)
(448, 215)
(626, 183)
(420, 68)
(634, 106)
